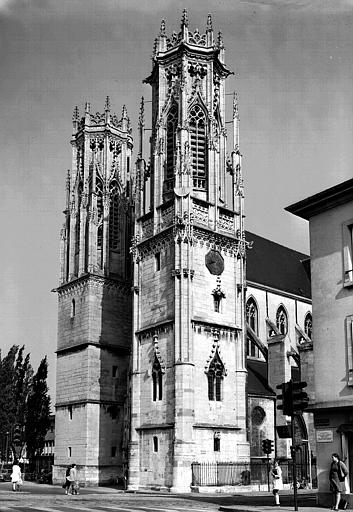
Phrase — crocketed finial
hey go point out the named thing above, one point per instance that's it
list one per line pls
(107, 104)
(76, 114)
(142, 112)
(162, 30)
(235, 104)
(124, 113)
(209, 22)
(87, 107)
(184, 19)
(220, 40)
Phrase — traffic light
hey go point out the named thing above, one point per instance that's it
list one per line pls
(300, 397)
(287, 401)
(267, 446)
(17, 435)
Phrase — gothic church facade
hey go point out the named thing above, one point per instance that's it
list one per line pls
(151, 355)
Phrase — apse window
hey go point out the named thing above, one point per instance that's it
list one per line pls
(155, 443)
(73, 308)
(157, 261)
(114, 372)
(113, 451)
(69, 451)
(70, 412)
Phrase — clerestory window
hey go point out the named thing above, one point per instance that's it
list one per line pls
(282, 320)
(215, 375)
(308, 325)
(252, 315)
(172, 123)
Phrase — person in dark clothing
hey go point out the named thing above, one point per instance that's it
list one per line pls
(337, 476)
(67, 481)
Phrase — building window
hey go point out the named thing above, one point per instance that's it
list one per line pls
(155, 443)
(157, 381)
(308, 325)
(69, 451)
(348, 252)
(113, 451)
(215, 375)
(73, 308)
(217, 304)
(252, 315)
(172, 123)
(258, 416)
(114, 371)
(217, 442)
(157, 261)
(114, 216)
(282, 320)
(70, 412)
(197, 127)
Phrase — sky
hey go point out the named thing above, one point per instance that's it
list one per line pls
(293, 65)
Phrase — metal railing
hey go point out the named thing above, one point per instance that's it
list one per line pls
(243, 473)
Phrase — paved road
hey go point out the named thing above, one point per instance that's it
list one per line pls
(45, 498)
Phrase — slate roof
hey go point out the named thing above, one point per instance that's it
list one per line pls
(257, 378)
(276, 266)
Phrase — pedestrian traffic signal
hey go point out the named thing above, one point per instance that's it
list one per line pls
(267, 446)
(17, 435)
(287, 402)
(300, 397)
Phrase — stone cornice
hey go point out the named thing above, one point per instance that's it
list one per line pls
(154, 329)
(83, 345)
(155, 426)
(88, 279)
(60, 405)
(216, 426)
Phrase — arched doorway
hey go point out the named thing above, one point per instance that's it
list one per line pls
(302, 449)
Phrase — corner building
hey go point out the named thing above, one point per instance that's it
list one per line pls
(188, 374)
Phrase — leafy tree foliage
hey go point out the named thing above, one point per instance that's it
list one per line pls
(38, 411)
(24, 403)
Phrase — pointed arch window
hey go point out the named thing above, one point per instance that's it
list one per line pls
(78, 225)
(99, 195)
(282, 320)
(157, 380)
(215, 375)
(114, 216)
(252, 315)
(197, 124)
(172, 123)
(308, 325)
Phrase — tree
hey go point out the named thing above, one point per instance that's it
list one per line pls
(38, 411)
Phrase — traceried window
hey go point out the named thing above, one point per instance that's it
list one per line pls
(114, 216)
(252, 315)
(78, 225)
(172, 123)
(157, 381)
(99, 194)
(215, 375)
(197, 124)
(308, 325)
(282, 320)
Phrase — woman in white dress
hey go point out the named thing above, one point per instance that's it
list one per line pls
(277, 482)
(16, 478)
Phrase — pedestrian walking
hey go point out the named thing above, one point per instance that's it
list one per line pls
(16, 477)
(337, 476)
(73, 479)
(67, 483)
(277, 482)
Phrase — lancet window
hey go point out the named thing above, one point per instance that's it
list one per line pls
(282, 320)
(99, 195)
(197, 124)
(78, 225)
(308, 325)
(215, 375)
(157, 380)
(114, 216)
(252, 315)
(172, 123)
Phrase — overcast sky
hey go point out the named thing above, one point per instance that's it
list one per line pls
(293, 63)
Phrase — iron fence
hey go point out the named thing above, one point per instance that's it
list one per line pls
(248, 473)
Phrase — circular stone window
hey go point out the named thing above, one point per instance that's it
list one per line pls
(258, 416)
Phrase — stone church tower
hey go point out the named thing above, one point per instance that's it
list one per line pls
(188, 380)
(94, 324)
